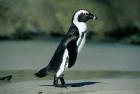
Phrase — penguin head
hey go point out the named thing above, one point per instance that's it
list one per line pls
(83, 16)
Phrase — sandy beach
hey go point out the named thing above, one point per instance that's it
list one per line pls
(98, 86)
(100, 69)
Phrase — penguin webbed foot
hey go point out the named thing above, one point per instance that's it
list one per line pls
(56, 84)
(60, 86)
(63, 82)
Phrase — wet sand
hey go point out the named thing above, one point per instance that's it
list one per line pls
(97, 86)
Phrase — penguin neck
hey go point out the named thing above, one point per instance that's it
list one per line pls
(82, 26)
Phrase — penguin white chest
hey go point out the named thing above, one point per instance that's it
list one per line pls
(81, 41)
(64, 63)
(82, 27)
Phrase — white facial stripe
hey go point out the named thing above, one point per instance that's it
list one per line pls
(63, 64)
(82, 27)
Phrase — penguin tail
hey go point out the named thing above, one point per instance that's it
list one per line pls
(42, 73)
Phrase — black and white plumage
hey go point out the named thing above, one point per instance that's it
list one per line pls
(66, 54)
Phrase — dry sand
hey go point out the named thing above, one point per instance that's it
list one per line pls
(100, 86)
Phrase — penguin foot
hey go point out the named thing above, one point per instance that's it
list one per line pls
(60, 86)
(56, 84)
(63, 82)
(64, 86)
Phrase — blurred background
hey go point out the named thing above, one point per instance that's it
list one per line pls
(28, 19)
(30, 31)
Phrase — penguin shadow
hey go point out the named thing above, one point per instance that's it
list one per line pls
(78, 84)
(81, 84)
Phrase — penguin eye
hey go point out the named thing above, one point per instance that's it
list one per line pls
(83, 17)
(87, 14)
(82, 14)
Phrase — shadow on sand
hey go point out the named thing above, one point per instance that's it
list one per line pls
(77, 84)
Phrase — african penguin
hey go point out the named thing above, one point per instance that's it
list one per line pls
(66, 54)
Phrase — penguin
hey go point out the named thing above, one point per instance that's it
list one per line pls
(67, 51)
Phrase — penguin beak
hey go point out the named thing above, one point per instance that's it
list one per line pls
(91, 16)
(95, 17)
